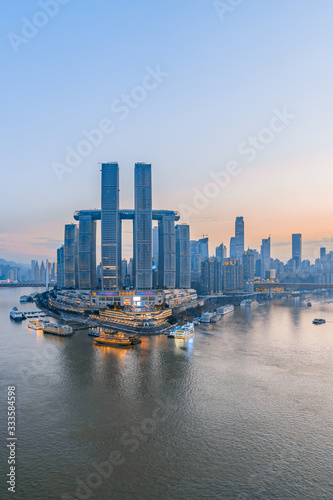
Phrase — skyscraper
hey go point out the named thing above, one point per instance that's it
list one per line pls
(203, 248)
(266, 255)
(142, 244)
(232, 275)
(155, 245)
(248, 266)
(87, 253)
(233, 247)
(111, 228)
(239, 235)
(211, 276)
(221, 252)
(167, 252)
(322, 252)
(60, 268)
(297, 249)
(71, 255)
(183, 256)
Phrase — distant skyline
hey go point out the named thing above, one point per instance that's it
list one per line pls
(216, 89)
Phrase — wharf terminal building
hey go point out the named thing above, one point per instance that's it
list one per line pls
(77, 276)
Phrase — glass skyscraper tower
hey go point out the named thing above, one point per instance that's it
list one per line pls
(239, 235)
(142, 237)
(111, 228)
(297, 249)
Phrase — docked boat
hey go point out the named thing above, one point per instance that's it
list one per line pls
(60, 330)
(117, 339)
(215, 318)
(184, 332)
(37, 324)
(225, 309)
(319, 321)
(94, 332)
(16, 315)
(26, 298)
(206, 317)
(249, 303)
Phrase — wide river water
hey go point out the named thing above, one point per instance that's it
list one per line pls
(242, 410)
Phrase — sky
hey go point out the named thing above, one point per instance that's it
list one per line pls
(230, 101)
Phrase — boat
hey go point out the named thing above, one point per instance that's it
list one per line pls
(225, 309)
(117, 339)
(309, 304)
(196, 321)
(16, 315)
(319, 321)
(215, 318)
(206, 317)
(60, 330)
(184, 332)
(249, 303)
(26, 298)
(37, 324)
(94, 332)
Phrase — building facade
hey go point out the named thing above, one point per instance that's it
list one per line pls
(183, 256)
(111, 228)
(142, 230)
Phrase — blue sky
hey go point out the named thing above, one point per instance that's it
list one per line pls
(225, 77)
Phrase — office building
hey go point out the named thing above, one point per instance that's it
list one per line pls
(297, 249)
(71, 255)
(142, 243)
(60, 268)
(239, 237)
(111, 228)
(87, 253)
(233, 252)
(266, 255)
(183, 256)
(221, 252)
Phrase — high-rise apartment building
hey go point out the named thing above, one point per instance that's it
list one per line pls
(71, 255)
(183, 256)
(60, 267)
(167, 252)
(87, 253)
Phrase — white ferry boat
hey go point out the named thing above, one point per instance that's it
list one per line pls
(16, 315)
(61, 330)
(225, 309)
(206, 317)
(184, 332)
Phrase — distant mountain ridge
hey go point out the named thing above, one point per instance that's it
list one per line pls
(11, 263)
